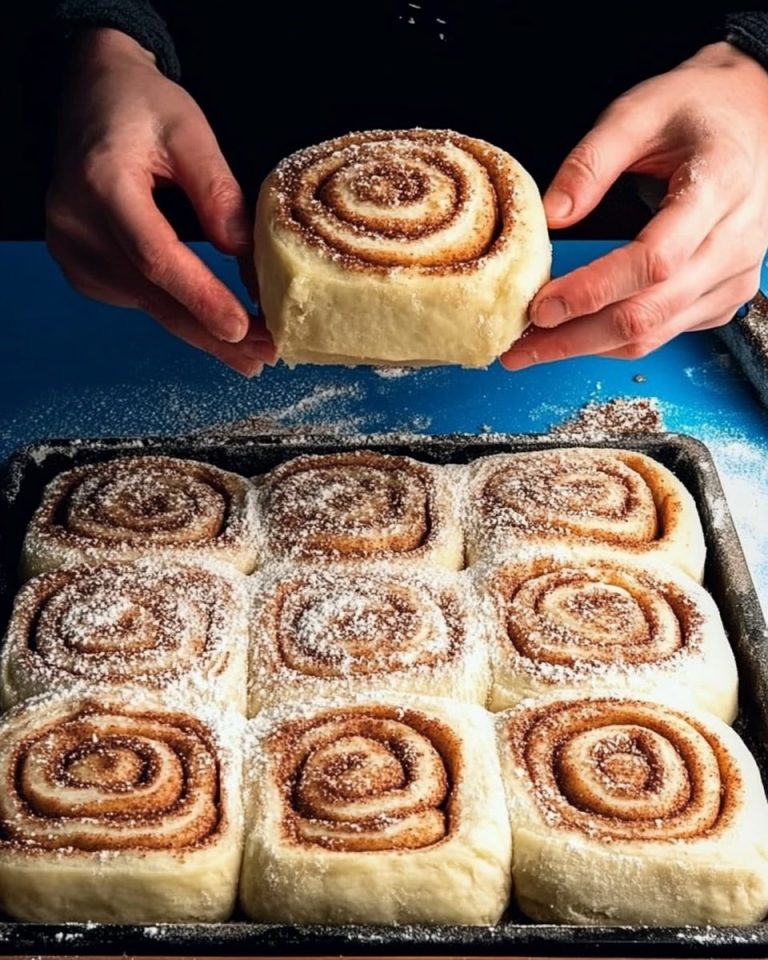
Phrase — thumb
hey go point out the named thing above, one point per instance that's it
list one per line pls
(205, 176)
(590, 169)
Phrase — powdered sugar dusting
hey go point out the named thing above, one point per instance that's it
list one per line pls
(328, 631)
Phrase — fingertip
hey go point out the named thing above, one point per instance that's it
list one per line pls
(550, 312)
(246, 367)
(230, 333)
(514, 360)
(558, 204)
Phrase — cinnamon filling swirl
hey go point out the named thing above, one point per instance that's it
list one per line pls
(427, 200)
(625, 770)
(367, 779)
(583, 494)
(357, 504)
(114, 623)
(596, 615)
(361, 624)
(101, 779)
(147, 500)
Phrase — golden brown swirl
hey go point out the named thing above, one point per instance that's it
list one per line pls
(359, 504)
(585, 494)
(337, 624)
(426, 200)
(625, 769)
(101, 778)
(155, 500)
(142, 506)
(149, 622)
(597, 614)
(367, 778)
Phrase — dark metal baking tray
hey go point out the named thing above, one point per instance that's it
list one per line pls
(726, 576)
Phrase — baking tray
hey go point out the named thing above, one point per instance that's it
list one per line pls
(746, 336)
(726, 576)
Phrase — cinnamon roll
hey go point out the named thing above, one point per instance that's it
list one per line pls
(626, 811)
(142, 506)
(361, 505)
(399, 246)
(607, 627)
(372, 812)
(112, 812)
(153, 624)
(341, 631)
(582, 503)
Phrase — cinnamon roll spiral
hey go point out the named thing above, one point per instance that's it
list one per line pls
(321, 632)
(154, 624)
(360, 505)
(628, 811)
(363, 802)
(403, 246)
(583, 503)
(116, 813)
(142, 506)
(367, 781)
(607, 627)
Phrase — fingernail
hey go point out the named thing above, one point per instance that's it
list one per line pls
(550, 312)
(234, 331)
(518, 360)
(558, 204)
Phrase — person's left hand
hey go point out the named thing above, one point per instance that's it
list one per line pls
(703, 129)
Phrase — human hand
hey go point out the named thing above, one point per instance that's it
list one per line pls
(125, 130)
(703, 129)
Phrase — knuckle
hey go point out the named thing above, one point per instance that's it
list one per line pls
(636, 319)
(636, 351)
(223, 191)
(60, 218)
(93, 169)
(584, 161)
(660, 263)
(748, 285)
(152, 260)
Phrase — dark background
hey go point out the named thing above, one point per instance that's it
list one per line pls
(276, 77)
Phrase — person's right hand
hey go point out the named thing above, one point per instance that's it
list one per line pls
(126, 129)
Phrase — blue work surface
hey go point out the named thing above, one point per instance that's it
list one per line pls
(71, 367)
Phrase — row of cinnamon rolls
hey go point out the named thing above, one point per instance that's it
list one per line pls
(379, 810)
(364, 504)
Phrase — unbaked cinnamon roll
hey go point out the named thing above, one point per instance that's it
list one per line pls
(152, 624)
(399, 246)
(340, 631)
(353, 812)
(626, 811)
(582, 503)
(111, 812)
(607, 627)
(342, 507)
(143, 506)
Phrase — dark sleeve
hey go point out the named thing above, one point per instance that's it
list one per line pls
(748, 30)
(137, 18)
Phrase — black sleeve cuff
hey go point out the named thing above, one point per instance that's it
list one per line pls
(136, 18)
(748, 31)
